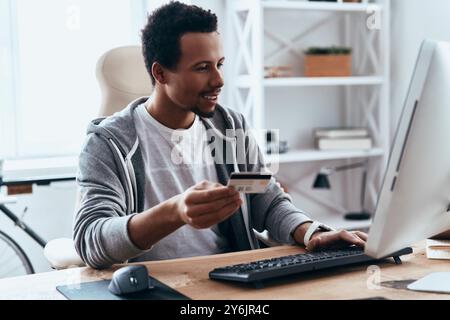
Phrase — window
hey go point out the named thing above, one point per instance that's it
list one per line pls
(48, 54)
(6, 83)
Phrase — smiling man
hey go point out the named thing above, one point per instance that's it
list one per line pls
(144, 197)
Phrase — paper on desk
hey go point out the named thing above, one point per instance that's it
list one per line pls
(438, 249)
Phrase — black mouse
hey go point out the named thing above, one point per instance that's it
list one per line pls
(129, 279)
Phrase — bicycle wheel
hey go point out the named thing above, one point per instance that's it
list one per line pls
(13, 260)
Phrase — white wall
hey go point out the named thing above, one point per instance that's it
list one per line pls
(413, 21)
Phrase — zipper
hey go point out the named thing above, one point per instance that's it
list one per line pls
(129, 194)
(133, 175)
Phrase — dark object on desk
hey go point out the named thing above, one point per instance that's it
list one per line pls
(98, 290)
(400, 285)
(130, 279)
(257, 271)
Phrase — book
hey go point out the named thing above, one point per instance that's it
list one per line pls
(341, 132)
(438, 249)
(344, 144)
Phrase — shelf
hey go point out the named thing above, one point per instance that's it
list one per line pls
(246, 81)
(323, 81)
(253, 95)
(318, 155)
(42, 168)
(321, 6)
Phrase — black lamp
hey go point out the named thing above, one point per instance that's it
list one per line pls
(322, 182)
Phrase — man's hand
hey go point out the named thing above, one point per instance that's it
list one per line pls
(201, 206)
(336, 239)
(207, 204)
(330, 239)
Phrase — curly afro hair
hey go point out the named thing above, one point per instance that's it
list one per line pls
(165, 27)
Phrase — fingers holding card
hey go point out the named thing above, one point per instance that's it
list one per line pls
(249, 182)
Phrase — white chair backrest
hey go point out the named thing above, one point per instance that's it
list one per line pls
(122, 77)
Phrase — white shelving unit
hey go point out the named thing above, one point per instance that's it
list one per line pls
(316, 155)
(366, 94)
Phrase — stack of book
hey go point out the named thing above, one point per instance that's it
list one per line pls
(438, 249)
(342, 139)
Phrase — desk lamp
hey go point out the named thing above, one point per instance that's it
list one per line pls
(322, 182)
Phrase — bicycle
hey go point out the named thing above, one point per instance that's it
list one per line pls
(13, 259)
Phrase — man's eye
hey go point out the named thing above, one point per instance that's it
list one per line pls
(205, 68)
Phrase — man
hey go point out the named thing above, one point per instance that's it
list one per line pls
(141, 199)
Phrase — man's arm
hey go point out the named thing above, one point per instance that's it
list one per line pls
(105, 234)
(201, 206)
(100, 229)
(147, 228)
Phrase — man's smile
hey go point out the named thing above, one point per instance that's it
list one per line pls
(211, 96)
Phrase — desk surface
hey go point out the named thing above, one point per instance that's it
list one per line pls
(190, 276)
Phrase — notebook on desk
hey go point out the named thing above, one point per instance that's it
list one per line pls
(438, 249)
(98, 290)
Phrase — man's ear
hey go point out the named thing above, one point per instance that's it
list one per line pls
(159, 73)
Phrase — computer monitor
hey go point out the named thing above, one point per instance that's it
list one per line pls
(414, 203)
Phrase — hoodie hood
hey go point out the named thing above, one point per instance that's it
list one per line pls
(118, 127)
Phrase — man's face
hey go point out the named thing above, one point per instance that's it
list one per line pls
(196, 83)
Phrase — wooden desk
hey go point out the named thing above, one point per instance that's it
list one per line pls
(190, 276)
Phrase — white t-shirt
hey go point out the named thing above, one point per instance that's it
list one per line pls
(175, 160)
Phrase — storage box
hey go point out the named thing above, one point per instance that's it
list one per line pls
(328, 65)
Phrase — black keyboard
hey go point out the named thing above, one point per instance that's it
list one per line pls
(294, 264)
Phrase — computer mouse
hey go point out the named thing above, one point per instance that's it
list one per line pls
(129, 279)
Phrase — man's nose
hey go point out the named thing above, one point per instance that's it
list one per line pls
(217, 80)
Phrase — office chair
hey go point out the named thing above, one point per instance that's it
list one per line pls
(122, 78)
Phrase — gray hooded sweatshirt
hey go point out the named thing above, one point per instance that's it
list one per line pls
(111, 188)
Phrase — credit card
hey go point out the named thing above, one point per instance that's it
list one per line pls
(249, 182)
